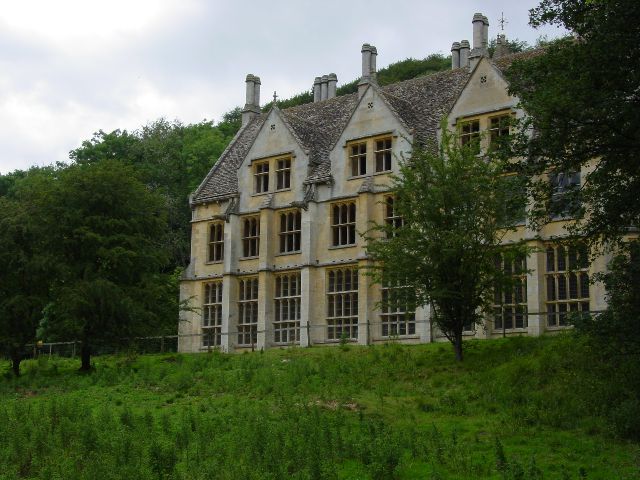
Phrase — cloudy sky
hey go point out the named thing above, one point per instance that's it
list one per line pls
(69, 68)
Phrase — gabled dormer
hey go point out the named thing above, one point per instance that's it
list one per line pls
(276, 165)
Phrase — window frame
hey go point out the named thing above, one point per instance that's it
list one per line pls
(215, 242)
(250, 238)
(293, 236)
(473, 137)
(212, 314)
(511, 303)
(385, 154)
(567, 271)
(343, 227)
(358, 160)
(247, 326)
(287, 308)
(283, 173)
(396, 321)
(261, 181)
(344, 301)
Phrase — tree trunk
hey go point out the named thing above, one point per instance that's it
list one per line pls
(457, 346)
(16, 358)
(85, 356)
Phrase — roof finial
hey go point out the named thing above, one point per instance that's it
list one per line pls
(502, 21)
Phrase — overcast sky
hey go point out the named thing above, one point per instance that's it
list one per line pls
(72, 67)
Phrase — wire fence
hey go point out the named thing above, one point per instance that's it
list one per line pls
(397, 328)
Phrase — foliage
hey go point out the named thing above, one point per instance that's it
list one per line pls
(452, 203)
(172, 159)
(518, 408)
(26, 266)
(105, 230)
(514, 46)
(583, 104)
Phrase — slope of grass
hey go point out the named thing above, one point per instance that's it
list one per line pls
(516, 408)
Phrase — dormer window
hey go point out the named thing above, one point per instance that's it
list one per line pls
(358, 159)
(470, 134)
(373, 154)
(383, 154)
(261, 176)
(283, 173)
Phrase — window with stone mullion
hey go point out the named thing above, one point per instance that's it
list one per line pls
(343, 220)
(248, 312)
(358, 159)
(397, 313)
(216, 242)
(290, 231)
(283, 173)
(212, 314)
(567, 283)
(342, 304)
(510, 303)
(251, 237)
(382, 154)
(287, 308)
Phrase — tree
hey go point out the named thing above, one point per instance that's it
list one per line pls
(583, 103)
(455, 208)
(106, 230)
(26, 268)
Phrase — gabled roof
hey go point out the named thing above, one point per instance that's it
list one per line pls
(420, 104)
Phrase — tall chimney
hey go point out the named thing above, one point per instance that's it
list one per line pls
(478, 30)
(332, 83)
(252, 104)
(455, 55)
(485, 34)
(366, 69)
(372, 64)
(324, 87)
(464, 54)
(366, 61)
(256, 91)
(316, 89)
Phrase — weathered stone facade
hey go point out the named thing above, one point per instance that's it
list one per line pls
(276, 248)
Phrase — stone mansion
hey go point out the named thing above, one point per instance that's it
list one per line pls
(276, 254)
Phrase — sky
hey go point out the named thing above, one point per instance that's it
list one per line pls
(69, 68)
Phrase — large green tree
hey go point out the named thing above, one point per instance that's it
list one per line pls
(456, 208)
(26, 265)
(582, 98)
(106, 230)
(172, 159)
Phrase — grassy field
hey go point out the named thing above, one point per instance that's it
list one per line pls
(515, 409)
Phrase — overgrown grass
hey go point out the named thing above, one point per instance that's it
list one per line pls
(519, 408)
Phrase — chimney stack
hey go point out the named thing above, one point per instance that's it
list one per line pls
(252, 104)
(372, 64)
(332, 84)
(464, 53)
(455, 55)
(324, 87)
(316, 89)
(478, 31)
(366, 61)
(502, 48)
(485, 34)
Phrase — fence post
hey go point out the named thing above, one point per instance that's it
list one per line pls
(73, 349)
(308, 334)
(162, 344)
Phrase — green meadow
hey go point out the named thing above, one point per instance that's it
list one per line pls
(517, 408)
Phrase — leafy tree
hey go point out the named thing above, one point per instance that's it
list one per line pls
(172, 159)
(26, 267)
(583, 103)
(452, 203)
(106, 230)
